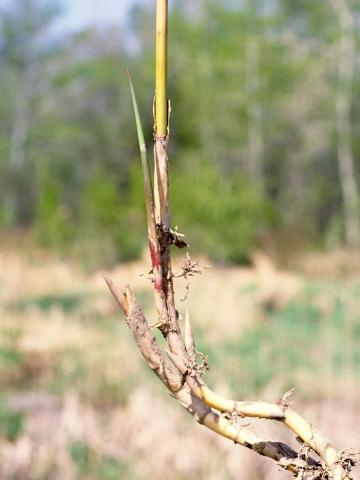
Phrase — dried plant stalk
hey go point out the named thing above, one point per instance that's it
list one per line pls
(195, 405)
(192, 393)
(170, 327)
(177, 368)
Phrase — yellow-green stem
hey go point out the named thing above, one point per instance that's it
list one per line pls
(161, 110)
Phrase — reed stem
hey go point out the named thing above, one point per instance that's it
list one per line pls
(161, 108)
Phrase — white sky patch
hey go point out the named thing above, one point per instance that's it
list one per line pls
(83, 13)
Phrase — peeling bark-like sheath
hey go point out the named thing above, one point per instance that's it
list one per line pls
(161, 162)
(154, 247)
(120, 297)
(170, 376)
(189, 339)
(170, 329)
(145, 339)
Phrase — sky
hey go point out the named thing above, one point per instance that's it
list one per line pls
(82, 13)
(78, 14)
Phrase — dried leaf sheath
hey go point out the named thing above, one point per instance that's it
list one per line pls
(176, 382)
(145, 339)
(189, 339)
(173, 380)
(170, 328)
(154, 247)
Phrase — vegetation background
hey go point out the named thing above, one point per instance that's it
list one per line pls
(264, 157)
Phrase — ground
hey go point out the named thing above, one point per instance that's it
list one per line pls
(77, 401)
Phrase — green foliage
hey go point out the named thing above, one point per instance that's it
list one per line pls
(52, 222)
(81, 456)
(103, 216)
(10, 357)
(106, 215)
(11, 423)
(223, 216)
(111, 469)
(89, 465)
(77, 184)
(68, 303)
(283, 345)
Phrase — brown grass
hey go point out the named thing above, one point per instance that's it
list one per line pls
(103, 416)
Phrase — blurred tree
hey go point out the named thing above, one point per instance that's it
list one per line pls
(346, 61)
(23, 26)
(253, 91)
(329, 30)
(85, 139)
(258, 89)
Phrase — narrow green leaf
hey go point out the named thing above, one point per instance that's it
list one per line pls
(137, 117)
(149, 194)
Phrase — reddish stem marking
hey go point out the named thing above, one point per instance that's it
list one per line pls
(155, 260)
(158, 281)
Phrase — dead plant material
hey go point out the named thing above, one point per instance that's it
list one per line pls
(189, 268)
(284, 400)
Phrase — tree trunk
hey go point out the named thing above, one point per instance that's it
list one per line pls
(254, 112)
(343, 122)
(18, 139)
(255, 145)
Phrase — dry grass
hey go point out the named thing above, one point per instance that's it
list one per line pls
(77, 403)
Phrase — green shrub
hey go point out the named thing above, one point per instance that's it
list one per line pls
(105, 225)
(112, 219)
(223, 217)
(91, 465)
(52, 221)
(11, 423)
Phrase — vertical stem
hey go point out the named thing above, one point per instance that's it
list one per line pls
(161, 111)
(170, 329)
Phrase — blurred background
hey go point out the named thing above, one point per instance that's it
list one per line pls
(265, 98)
